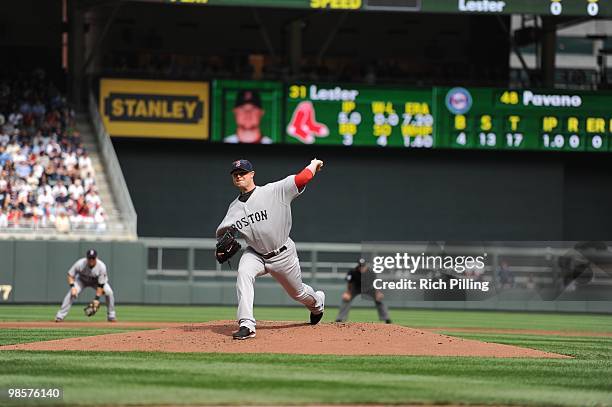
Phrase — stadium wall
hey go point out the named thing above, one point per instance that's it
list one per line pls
(182, 189)
(36, 273)
(36, 269)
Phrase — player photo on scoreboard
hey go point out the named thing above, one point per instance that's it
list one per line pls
(246, 112)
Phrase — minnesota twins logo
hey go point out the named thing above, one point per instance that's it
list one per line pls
(458, 100)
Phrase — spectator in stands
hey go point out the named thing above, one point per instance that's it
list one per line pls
(14, 216)
(88, 180)
(82, 207)
(62, 196)
(505, 277)
(100, 219)
(92, 197)
(531, 284)
(22, 168)
(44, 168)
(76, 190)
(37, 170)
(4, 138)
(85, 163)
(4, 156)
(70, 159)
(14, 120)
(62, 222)
(47, 215)
(59, 187)
(25, 108)
(39, 110)
(4, 194)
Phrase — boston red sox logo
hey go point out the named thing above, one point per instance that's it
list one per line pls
(236, 163)
(303, 125)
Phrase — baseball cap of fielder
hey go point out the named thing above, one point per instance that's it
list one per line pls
(92, 254)
(241, 165)
(246, 96)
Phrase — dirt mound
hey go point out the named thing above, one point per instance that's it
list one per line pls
(87, 324)
(290, 337)
(513, 331)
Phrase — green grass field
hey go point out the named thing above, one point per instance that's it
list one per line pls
(99, 378)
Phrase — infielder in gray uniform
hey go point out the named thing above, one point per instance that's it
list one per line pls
(88, 272)
(262, 216)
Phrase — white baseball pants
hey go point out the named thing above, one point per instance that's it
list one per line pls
(68, 300)
(285, 268)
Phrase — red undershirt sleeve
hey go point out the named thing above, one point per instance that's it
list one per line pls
(302, 178)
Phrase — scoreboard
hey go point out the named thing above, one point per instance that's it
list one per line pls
(359, 115)
(337, 114)
(584, 8)
(526, 119)
(456, 118)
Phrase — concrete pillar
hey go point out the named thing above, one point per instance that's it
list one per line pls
(76, 54)
(295, 45)
(548, 51)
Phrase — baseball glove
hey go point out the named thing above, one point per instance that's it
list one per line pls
(91, 308)
(227, 245)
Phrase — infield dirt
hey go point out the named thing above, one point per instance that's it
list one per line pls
(288, 338)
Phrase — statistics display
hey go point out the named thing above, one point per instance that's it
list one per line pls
(333, 114)
(584, 8)
(525, 119)
(358, 115)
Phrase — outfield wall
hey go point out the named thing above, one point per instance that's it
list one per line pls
(36, 272)
(36, 269)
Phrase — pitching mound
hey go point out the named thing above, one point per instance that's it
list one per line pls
(292, 338)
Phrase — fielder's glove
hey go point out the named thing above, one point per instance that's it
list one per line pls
(227, 245)
(91, 308)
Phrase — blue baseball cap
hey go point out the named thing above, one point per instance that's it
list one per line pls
(241, 165)
(92, 254)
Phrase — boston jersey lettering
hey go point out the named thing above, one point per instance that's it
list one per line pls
(251, 218)
(264, 220)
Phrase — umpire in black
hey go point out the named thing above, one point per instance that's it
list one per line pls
(353, 289)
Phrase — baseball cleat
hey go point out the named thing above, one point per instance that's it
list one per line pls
(243, 333)
(315, 318)
(59, 320)
(388, 321)
(111, 319)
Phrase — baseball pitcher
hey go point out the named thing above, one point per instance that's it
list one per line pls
(262, 216)
(88, 272)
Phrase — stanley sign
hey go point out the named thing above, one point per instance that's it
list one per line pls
(162, 109)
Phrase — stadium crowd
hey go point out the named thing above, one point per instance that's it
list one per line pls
(390, 71)
(46, 176)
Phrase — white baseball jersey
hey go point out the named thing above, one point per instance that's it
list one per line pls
(81, 269)
(264, 220)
